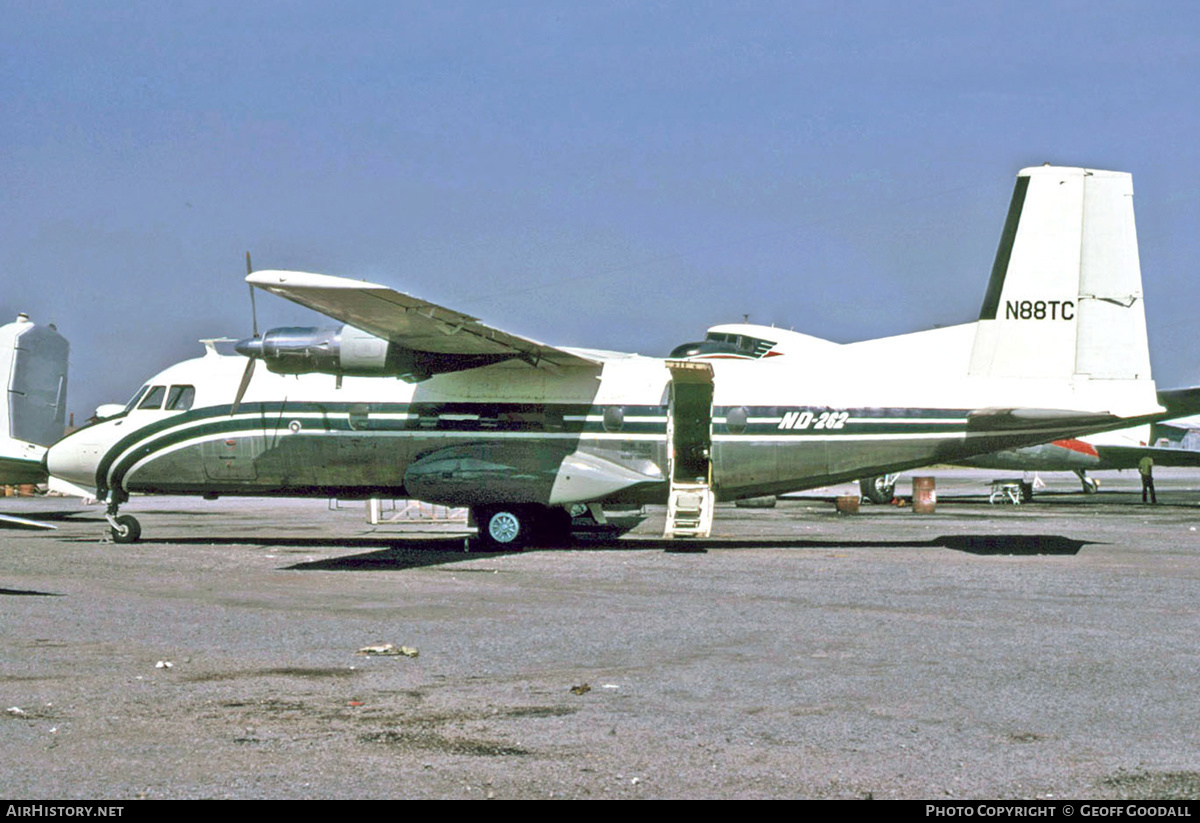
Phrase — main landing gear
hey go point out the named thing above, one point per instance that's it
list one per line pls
(1090, 484)
(880, 489)
(123, 528)
(512, 528)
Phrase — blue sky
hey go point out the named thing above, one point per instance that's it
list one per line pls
(609, 174)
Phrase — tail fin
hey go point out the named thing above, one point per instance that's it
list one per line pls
(1065, 296)
(33, 361)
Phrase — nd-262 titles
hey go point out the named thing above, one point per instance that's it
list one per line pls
(814, 420)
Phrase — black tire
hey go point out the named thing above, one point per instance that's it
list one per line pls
(127, 530)
(554, 527)
(878, 489)
(504, 528)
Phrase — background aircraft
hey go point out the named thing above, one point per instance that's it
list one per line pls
(1078, 455)
(523, 433)
(33, 362)
(1105, 451)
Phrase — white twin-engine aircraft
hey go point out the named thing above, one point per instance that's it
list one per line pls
(527, 435)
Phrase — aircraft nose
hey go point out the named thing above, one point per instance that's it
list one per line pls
(75, 459)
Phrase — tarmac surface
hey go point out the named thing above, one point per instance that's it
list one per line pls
(985, 651)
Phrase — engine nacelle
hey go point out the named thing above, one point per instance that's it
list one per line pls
(305, 350)
(352, 352)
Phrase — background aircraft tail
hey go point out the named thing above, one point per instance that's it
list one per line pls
(1065, 296)
(33, 362)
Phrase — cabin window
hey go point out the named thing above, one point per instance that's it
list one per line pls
(360, 417)
(614, 418)
(154, 398)
(180, 398)
(737, 418)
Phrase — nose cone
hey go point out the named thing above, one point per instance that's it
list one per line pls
(75, 458)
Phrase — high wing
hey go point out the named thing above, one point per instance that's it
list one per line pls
(408, 321)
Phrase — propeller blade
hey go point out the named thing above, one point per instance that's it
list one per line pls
(241, 392)
(253, 313)
(253, 309)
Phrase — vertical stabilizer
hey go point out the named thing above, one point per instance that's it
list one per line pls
(1065, 296)
(33, 360)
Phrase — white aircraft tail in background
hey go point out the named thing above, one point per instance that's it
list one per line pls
(33, 364)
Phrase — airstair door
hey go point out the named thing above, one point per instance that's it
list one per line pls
(689, 448)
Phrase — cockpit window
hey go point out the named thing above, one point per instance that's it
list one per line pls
(154, 398)
(132, 404)
(180, 398)
(722, 344)
(751, 346)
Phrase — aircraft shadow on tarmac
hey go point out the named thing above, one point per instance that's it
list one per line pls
(419, 553)
(391, 554)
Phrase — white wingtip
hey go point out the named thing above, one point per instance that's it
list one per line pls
(268, 278)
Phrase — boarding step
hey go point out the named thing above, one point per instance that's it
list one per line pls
(689, 511)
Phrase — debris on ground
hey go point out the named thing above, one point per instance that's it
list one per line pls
(389, 650)
(582, 688)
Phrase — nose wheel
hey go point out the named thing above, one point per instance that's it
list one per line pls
(123, 528)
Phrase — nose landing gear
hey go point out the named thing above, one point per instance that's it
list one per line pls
(123, 528)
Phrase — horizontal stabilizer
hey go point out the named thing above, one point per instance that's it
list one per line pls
(1127, 457)
(1180, 402)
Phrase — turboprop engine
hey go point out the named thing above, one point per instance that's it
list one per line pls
(347, 351)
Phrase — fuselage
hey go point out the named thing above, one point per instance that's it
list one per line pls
(515, 433)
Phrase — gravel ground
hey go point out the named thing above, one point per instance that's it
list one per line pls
(1050, 649)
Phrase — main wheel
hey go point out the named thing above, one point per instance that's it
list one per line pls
(554, 527)
(127, 530)
(881, 489)
(1090, 484)
(505, 527)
